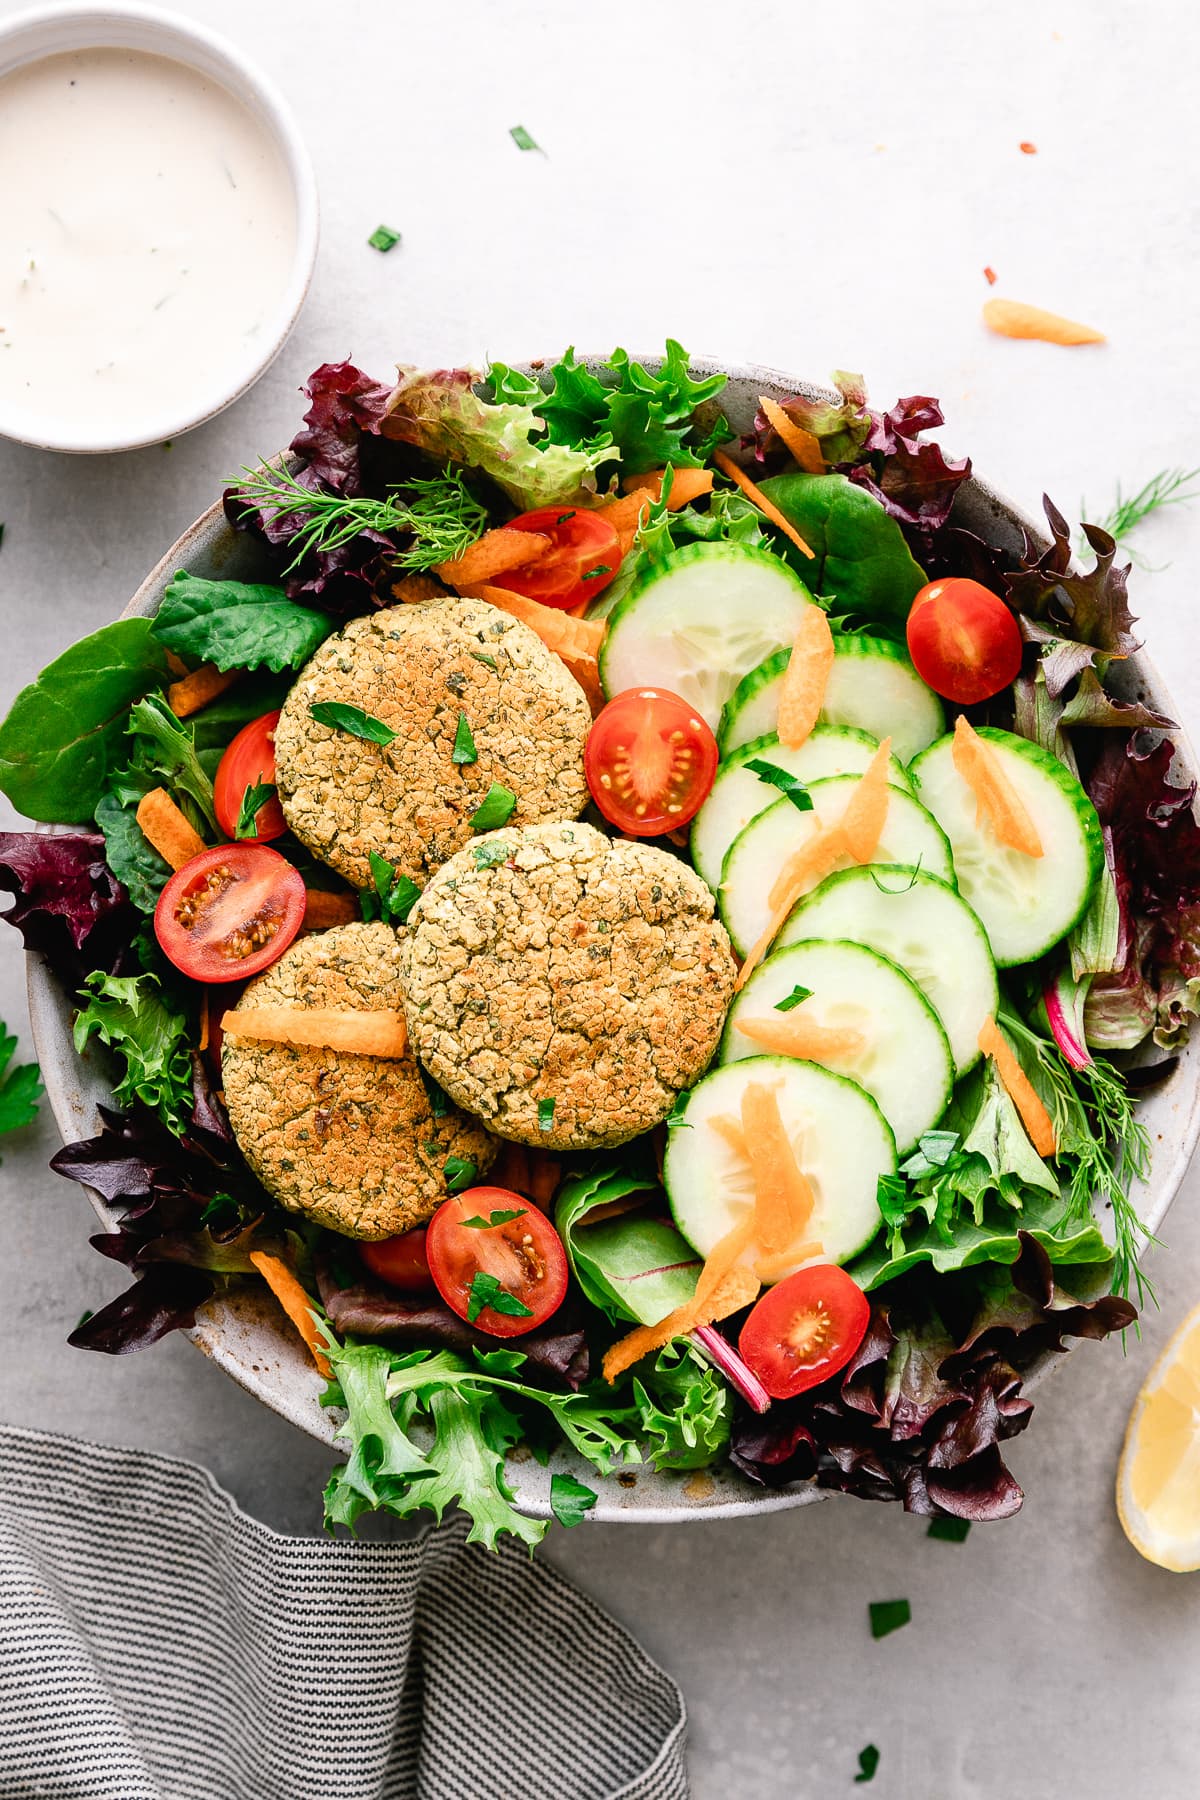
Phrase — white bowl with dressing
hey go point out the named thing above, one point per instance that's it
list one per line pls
(158, 229)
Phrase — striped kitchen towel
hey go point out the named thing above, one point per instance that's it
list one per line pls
(158, 1644)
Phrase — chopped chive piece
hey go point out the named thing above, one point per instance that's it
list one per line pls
(791, 785)
(494, 810)
(521, 138)
(460, 1172)
(570, 1500)
(464, 744)
(383, 238)
(868, 1762)
(888, 1616)
(950, 1531)
(797, 994)
(253, 801)
(546, 1115)
(485, 1290)
(499, 1217)
(480, 656)
(353, 720)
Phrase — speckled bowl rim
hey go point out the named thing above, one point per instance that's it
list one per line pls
(243, 1333)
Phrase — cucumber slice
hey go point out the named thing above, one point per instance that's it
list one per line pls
(738, 794)
(1027, 903)
(905, 1064)
(842, 1143)
(919, 923)
(872, 686)
(696, 622)
(910, 836)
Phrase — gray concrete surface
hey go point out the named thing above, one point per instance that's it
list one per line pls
(813, 188)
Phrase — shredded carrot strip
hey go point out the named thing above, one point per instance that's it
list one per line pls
(164, 826)
(322, 910)
(204, 1031)
(557, 630)
(802, 690)
(493, 554)
(996, 799)
(736, 1289)
(757, 498)
(1015, 319)
(783, 1198)
(770, 1268)
(381, 1034)
(1020, 1089)
(729, 1130)
(785, 1035)
(803, 445)
(416, 587)
(867, 809)
(725, 1255)
(686, 485)
(819, 857)
(199, 689)
(295, 1303)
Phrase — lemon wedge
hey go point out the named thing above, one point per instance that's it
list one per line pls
(1158, 1480)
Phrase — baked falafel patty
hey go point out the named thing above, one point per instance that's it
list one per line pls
(352, 1141)
(566, 992)
(420, 668)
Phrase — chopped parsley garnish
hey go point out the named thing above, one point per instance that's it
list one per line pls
(546, 1115)
(464, 744)
(950, 1531)
(888, 1616)
(253, 801)
(483, 657)
(460, 1172)
(383, 238)
(488, 855)
(868, 1762)
(564, 518)
(494, 810)
(521, 138)
(20, 1088)
(797, 994)
(570, 1500)
(600, 569)
(352, 719)
(791, 785)
(485, 1290)
(499, 1217)
(395, 894)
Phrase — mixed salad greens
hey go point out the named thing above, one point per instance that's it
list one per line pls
(998, 1219)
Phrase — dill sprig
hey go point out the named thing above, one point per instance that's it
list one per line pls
(1170, 487)
(440, 512)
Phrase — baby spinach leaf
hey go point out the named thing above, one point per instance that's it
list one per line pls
(861, 561)
(631, 1267)
(63, 732)
(216, 726)
(142, 872)
(238, 624)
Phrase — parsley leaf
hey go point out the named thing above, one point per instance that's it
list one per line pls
(521, 138)
(253, 801)
(395, 894)
(494, 810)
(353, 720)
(460, 1172)
(499, 1217)
(464, 744)
(20, 1088)
(485, 1291)
(888, 1616)
(797, 994)
(488, 855)
(384, 238)
(950, 1531)
(868, 1762)
(546, 1115)
(570, 1500)
(791, 785)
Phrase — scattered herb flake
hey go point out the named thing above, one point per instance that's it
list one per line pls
(253, 801)
(488, 855)
(383, 238)
(460, 1172)
(481, 656)
(494, 810)
(521, 138)
(600, 569)
(464, 744)
(570, 1500)
(499, 1217)
(797, 994)
(564, 518)
(888, 1616)
(352, 719)
(868, 1762)
(439, 1100)
(394, 894)
(485, 1290)
(791, 785)
(546, 1115)
(950, 1531)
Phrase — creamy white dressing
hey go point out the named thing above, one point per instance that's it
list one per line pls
(147, 232)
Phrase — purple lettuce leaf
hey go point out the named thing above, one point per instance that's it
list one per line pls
(1078, 616)
(69, 906)
(164, 1299)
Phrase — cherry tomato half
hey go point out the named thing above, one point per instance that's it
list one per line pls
(584, 556)
(519, 1261)
(964, 642)
(804, 1330)
(229, 912)
(650, 761)
(249, 762)
(401, 1261)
